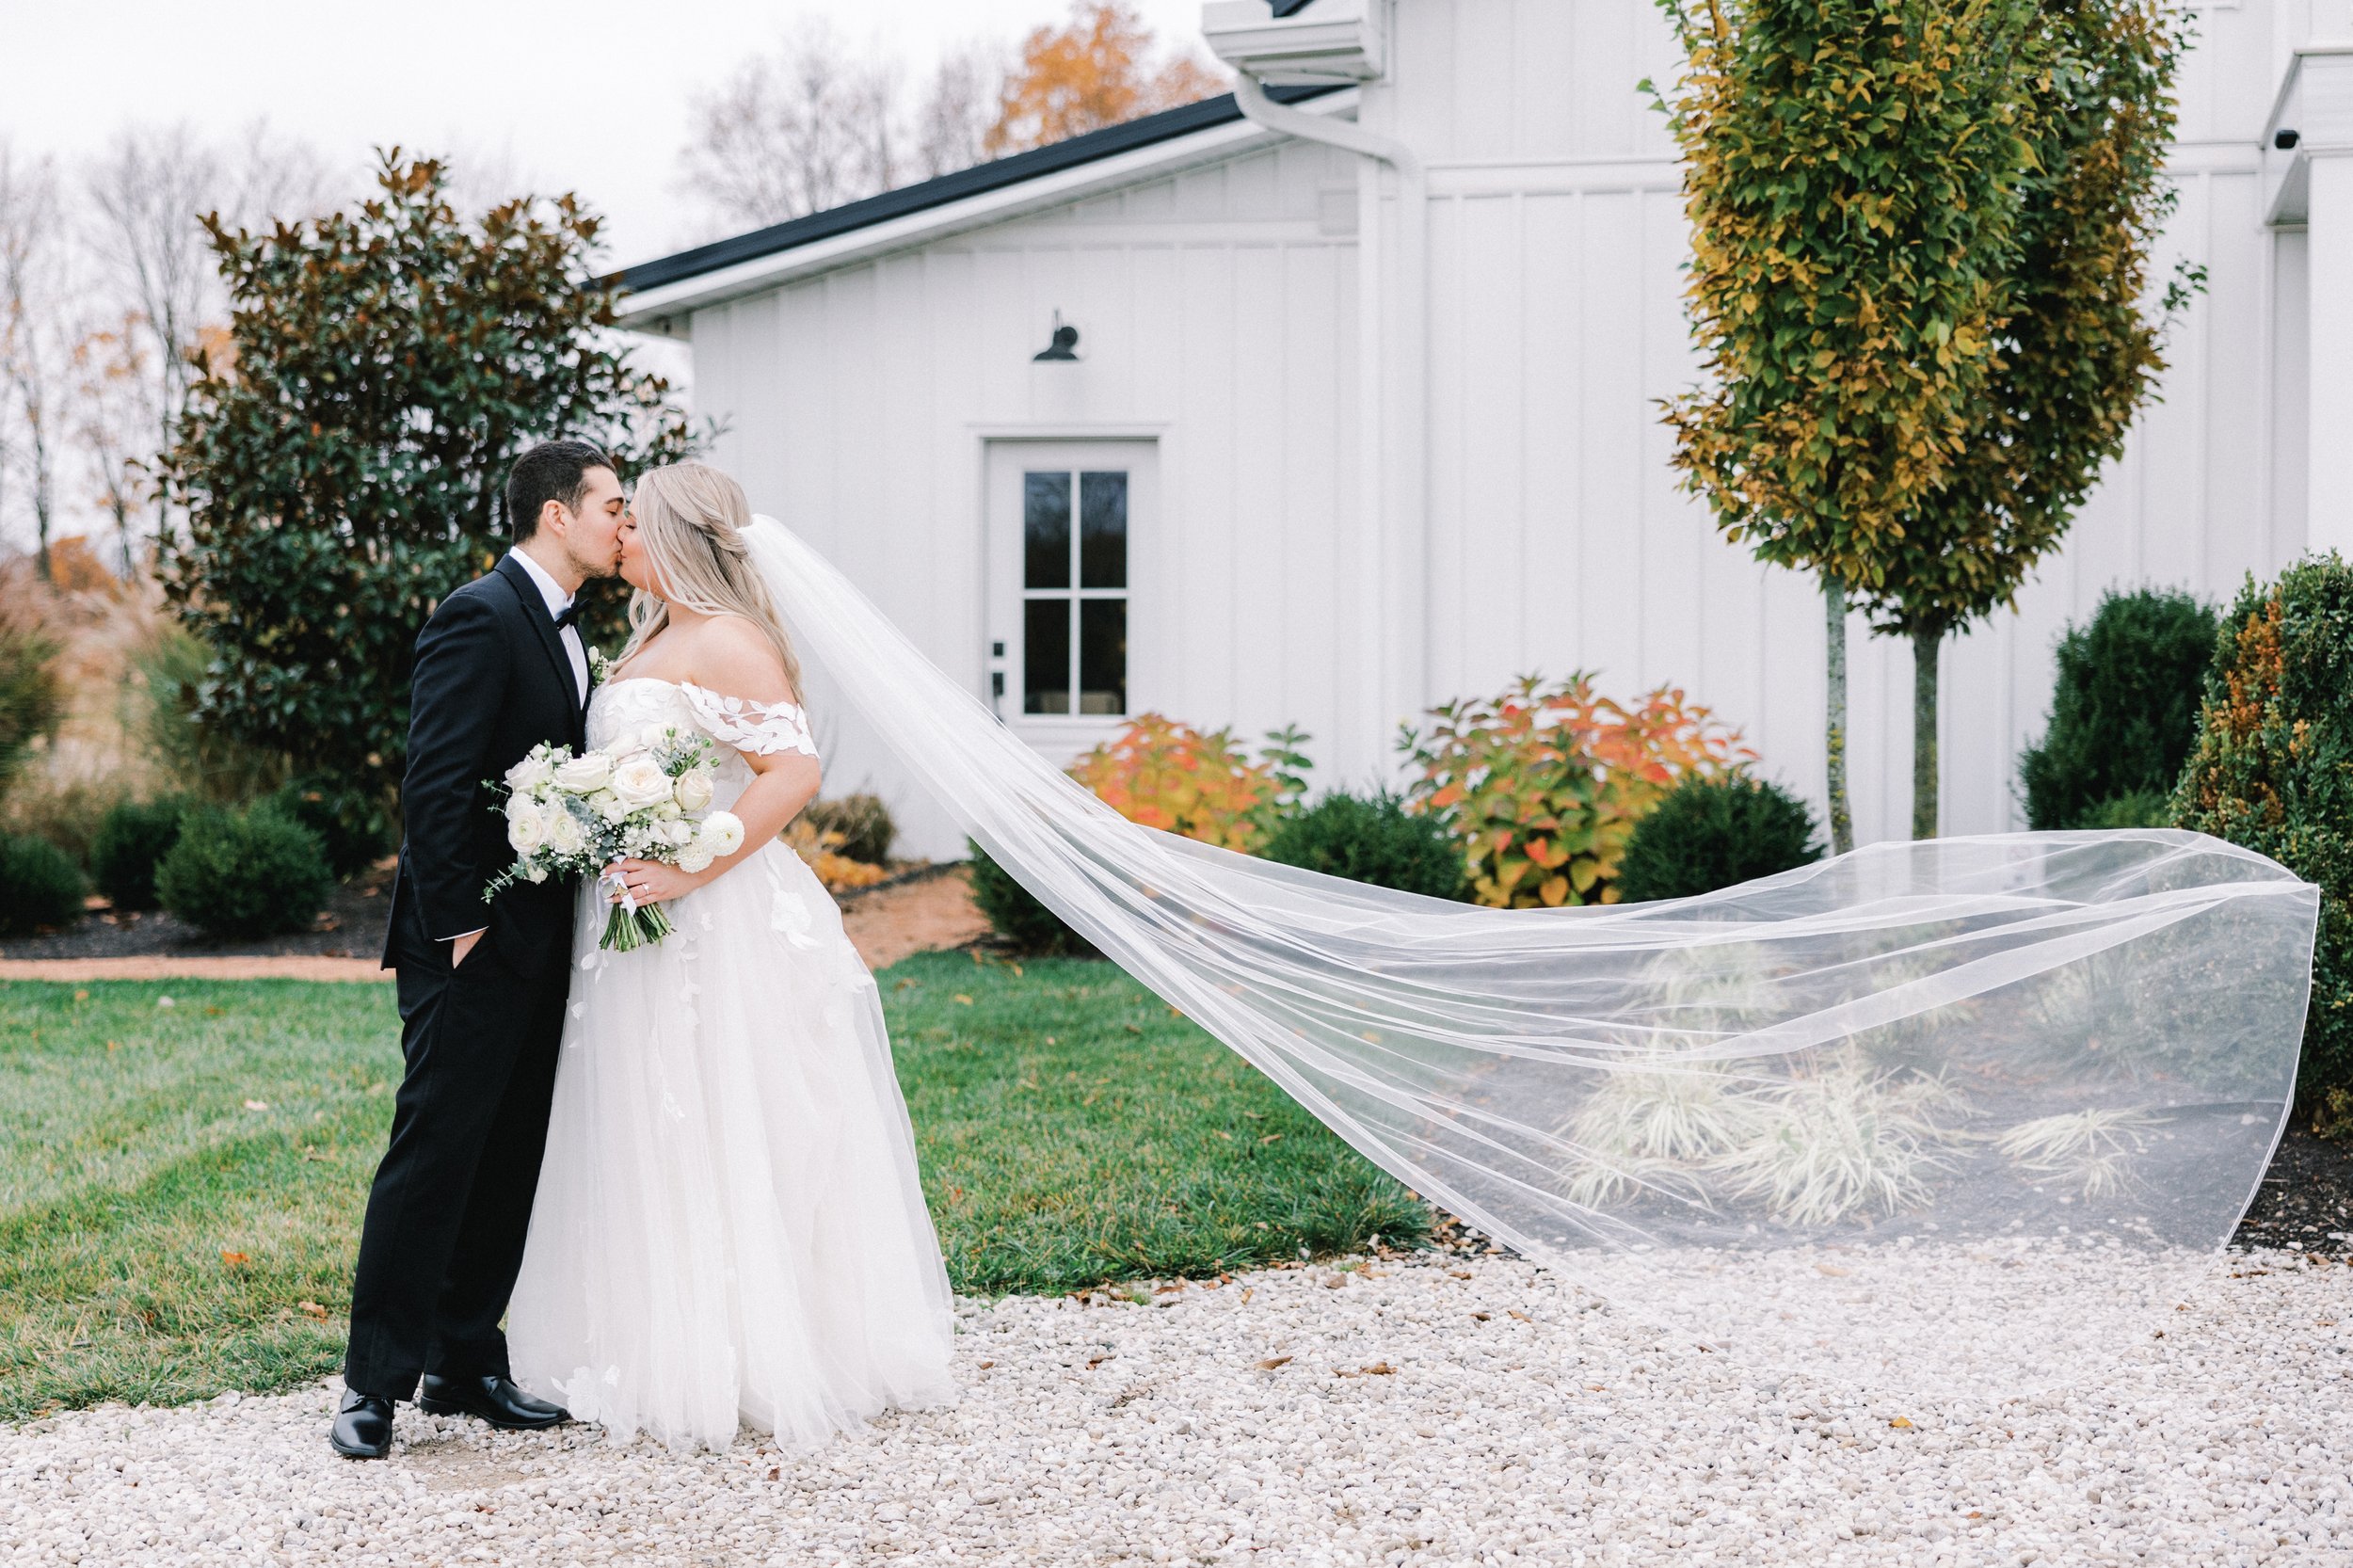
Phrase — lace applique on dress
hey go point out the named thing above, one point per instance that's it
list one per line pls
(760, 729)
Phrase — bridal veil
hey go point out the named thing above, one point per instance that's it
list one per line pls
(1962, 1115)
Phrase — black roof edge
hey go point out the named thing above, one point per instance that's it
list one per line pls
(994, 175)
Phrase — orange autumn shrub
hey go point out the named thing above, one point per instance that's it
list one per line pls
(1170, 775)
(821, 851)
(1541, 786)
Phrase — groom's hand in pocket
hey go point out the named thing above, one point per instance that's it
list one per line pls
(463, 946)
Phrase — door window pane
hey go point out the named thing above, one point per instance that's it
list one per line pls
(1046, 656)
(1046, 529)
(1103, 656)
(1103, 530)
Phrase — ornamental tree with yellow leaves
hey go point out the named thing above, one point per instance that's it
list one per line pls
(1853, 175)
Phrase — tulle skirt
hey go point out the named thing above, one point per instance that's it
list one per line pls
(729, 1227)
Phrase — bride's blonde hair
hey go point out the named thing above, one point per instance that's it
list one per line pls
(690, 520)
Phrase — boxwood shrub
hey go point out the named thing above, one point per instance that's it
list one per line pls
(39, 885)
(132, 838)
(1371, 838)
(1716, 832)
(253, 873)
(1018, 917)
(2125, 710)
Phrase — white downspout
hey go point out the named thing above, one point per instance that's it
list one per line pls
(1395, 640)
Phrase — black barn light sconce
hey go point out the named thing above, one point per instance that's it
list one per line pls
(1065, 344)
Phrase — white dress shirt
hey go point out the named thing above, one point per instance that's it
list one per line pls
(558, 601)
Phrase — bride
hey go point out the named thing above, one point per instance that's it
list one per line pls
(729, 1227)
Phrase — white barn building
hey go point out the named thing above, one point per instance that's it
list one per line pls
(1362, 411)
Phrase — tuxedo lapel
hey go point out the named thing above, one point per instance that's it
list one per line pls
(535, 610)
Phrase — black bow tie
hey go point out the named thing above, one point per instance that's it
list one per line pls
(568, 615)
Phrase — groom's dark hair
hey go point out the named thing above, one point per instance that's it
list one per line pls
(552, 471)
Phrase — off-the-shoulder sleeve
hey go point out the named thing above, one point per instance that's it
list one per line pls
(762, 729)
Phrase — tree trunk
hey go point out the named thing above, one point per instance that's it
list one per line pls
(1924, 650)
(1834, 733)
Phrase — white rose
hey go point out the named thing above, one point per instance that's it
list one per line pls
(565, 836)
(693, 789)
(528, 775)
(695, 856)
(723, 831)
(584, 773)
(640, 781)
(605, 804)
(526, 825)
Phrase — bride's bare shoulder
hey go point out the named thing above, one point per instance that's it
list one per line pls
(734, 657)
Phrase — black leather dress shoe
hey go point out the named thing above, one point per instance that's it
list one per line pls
(495, 1400)
(364, 1426)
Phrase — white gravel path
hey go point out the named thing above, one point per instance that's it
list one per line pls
(1427, 1411)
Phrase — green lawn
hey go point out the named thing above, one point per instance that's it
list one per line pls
(181, 1187)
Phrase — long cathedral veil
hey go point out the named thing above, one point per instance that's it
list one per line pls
(1945, 1116)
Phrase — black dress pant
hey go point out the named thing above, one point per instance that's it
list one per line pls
(451, 1203)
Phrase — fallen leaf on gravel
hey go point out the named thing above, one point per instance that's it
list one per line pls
(1095, 1361)
(1901, 1421)
(775, 1472)
(987, 1365)
(1460, 1273)
(1248, 1291)
(1833, 1269)
(312, 1309)
(1272, 1362)
(1482, 1317)
(1378, 1369)
(1597, 1387)
(233, 1259)
(1521, 1316)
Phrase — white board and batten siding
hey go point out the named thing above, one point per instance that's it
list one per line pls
(1218, 308)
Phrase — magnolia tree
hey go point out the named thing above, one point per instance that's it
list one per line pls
(342, 461)
(1920, 234)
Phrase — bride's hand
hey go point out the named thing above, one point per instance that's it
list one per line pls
(652, 881)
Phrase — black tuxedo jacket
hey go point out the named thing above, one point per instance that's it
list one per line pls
(491, 680)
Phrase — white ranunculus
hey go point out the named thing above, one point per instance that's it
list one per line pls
(585, 772)
(678, 834)
(666, 811)
(526, 824)
(605, 804)
(535, 873)
(565, 834)
(723, 831)
(695, 856)
(529, 774)
(692, 787)
(640, 781)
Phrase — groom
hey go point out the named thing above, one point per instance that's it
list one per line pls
(499, 668)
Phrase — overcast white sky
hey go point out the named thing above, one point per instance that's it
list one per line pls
(590, 95)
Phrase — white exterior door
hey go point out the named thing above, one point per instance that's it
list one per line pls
(1067, 522)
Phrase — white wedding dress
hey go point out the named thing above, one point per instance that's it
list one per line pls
(729, 1226)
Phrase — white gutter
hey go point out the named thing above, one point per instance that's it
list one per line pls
(1396, 635)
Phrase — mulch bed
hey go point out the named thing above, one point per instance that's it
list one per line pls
(2306, 1199)
(349, 924)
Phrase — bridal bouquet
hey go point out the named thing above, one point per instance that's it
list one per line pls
(646, 798)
